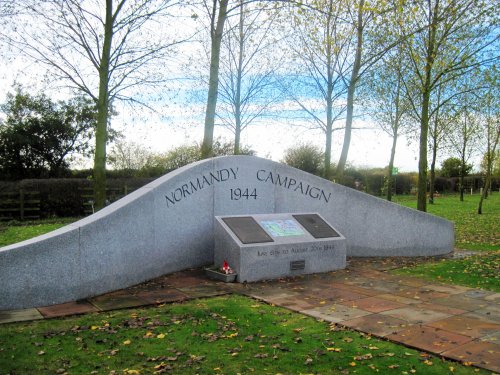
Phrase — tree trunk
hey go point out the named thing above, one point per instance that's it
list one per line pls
(462, 160)
(329, 104)
(433, 171)
(237, 112)
(328, 150)
(462, 188)
(351, 91)
(422, 163)
(213, 83)
(391, 166)
(101, 136)
(484, 194)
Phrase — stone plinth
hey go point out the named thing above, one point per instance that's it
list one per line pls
(270, 246)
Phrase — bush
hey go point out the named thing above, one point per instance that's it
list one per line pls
(306, 157)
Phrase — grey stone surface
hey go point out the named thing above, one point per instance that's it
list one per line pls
(271, 260)
(168, 225)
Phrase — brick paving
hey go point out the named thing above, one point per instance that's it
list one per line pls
(454, 322)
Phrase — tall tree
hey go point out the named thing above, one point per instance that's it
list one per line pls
(454, 36)
(104, 49)
(319, 48)
(440, 124)
(373, 36)
(247, 68)
(217, 10)
(39, 136)
(391, 107)
(464, 137)
(490, 119)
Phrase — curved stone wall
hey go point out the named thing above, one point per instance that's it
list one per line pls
(168, 225)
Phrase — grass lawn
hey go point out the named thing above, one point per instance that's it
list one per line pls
(19, 231)
(477, 271)
(222, 335)
(472, 231)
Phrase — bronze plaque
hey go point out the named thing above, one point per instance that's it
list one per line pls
(247, 229)
(297, 265)
(315, 225)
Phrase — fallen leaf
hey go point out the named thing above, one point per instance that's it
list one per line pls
(363, 357)
(261, 355)
(127, 342)
(160, 336)
(333, 349)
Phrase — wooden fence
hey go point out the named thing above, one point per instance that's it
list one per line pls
(27, 205)
(20, 205)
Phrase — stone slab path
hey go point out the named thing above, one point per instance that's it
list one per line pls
(450, 321)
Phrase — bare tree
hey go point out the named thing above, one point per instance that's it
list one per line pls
(320, 56)
(218, 12)
(440, 124)
(247, 69)
(104, 50)
(391, 107)
(463, 139)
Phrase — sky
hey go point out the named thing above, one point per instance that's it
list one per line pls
(271, 138)
(182, 123)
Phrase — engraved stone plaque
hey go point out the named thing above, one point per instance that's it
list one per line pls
(247, 229)
(315, 225)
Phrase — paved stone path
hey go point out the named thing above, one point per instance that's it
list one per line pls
(450, 321)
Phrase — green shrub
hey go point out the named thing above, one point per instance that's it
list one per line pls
(306, 157)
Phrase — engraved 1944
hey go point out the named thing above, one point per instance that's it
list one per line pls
(239, 194)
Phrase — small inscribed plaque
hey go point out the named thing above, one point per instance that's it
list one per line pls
(247, 229)
(297, 265)
(315, 225)
(282, 228)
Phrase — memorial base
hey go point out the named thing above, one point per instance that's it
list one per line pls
(291, 250)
